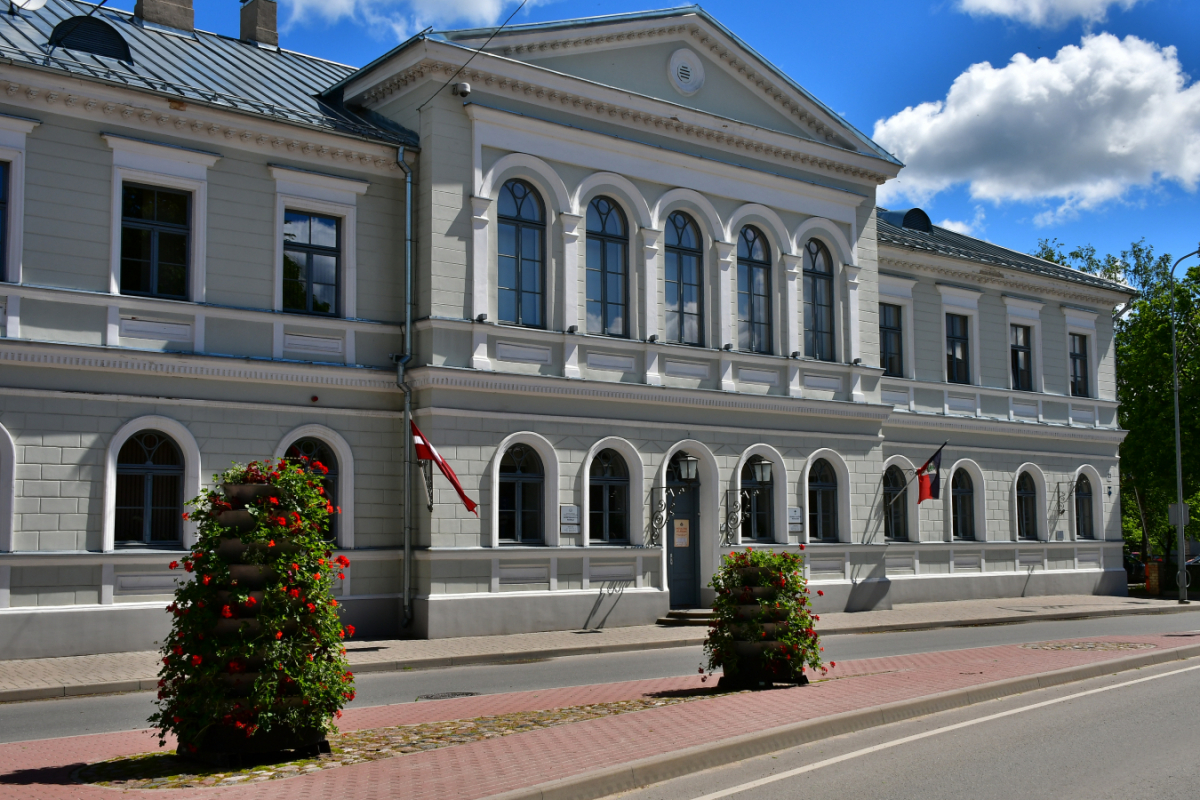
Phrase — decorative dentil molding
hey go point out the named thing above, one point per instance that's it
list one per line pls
(547, 95)
(784, 96)
(30, 95)
(991, 275)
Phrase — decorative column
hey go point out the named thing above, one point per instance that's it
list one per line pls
(480, 206)
(12, 317)
(726, 274)
(852, 284)
(650, 251)
(793, 317)
(570, 278)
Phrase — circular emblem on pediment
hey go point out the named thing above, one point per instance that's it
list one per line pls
(686, 72)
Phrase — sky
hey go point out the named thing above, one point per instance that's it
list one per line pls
(1018, 120)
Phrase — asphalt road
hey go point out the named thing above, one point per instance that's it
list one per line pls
(1133, 740)
(46, 719)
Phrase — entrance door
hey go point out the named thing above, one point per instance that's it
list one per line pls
(683, 545)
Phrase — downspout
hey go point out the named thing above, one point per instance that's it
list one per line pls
(401, 363)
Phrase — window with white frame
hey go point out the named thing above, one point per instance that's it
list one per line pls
(159, 219)
(13, 131)
(891, 339)
(1079, 365)
(316, 242)
(958, 348)
(1021, 357)
(1081, 352)
(896, 292)
(960, 310)
(1024, 343)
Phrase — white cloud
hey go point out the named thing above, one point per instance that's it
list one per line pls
(401, 18)
(1044, 13)
(1081, 129)
(967, 228)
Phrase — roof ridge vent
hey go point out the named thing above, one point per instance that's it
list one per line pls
(914, 219)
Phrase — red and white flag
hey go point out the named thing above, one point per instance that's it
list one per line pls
(427, 452)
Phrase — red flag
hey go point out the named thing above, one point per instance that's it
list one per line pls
(929, 478)
(427, 452)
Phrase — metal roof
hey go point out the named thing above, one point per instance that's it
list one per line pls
(198, 66)
(943, 242)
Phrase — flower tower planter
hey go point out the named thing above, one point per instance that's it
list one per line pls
(255, 663)
(762, 631)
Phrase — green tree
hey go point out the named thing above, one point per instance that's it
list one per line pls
(1142, 330)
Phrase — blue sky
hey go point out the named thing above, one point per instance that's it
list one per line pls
(1085, 126)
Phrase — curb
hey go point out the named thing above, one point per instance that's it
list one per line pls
(517, 656)
(645, 772)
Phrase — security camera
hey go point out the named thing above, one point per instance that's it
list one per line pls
(461, 89)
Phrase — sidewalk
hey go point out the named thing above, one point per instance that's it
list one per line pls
(598, 757)
(129, 672)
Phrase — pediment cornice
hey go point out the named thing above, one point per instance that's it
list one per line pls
(545, 87)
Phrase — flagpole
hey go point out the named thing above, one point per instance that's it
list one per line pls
(915, 473)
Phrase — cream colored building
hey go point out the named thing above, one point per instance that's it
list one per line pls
(657, 317)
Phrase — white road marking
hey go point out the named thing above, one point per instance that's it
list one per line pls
(916, 737)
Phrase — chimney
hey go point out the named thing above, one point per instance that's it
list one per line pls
(171, 13)
(258, 22)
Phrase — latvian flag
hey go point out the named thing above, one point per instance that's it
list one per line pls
(427, 452)
(929, 478)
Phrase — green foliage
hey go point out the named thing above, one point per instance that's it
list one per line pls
(251, 660)
(783, 603)
(1142, 331)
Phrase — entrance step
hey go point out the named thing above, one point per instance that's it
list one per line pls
(687, 616)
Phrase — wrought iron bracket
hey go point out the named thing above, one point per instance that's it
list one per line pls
(733, 518)
(663, 500)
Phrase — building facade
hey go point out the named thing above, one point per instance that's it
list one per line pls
(656, 317)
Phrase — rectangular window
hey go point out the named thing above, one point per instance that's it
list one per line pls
(891, 340)
(1079, 366)
(155, 241)
(683, 296)
(312, 254)
(1021, 348)
(958, 347)
(4, 171)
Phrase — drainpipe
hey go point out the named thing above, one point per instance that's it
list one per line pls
(401, 363)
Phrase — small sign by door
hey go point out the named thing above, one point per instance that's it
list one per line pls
(568, 515)
(795, 520)
(683, 532)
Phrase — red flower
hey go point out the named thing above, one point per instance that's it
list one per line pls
(801, 547)
(177, 720)
(321, 561)
(196, 661)
(271, 543)
(166, 661)
(349, 630)
(316, 576)
(185, 515)
(177, 650)
(207, 579)
(173, 565)
(820, 593)
(187, 566)
(295, 566)
(294, 592)
(342, 561)
(226, 612)
(341, 576)
(250, 602)
(339, 509)
(274, 501)
(278, 634)
(333, 603)
(311, 608)
(833, 663)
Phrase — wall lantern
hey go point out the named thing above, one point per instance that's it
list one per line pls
(762, 471)
(688, 466)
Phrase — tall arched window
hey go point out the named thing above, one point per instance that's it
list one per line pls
(1083, 509)
(758, 500)
(317, 452)
(822, 502)
(607, 275)
(1026, 507)
(818, 301)
(149, 502)
(962, 505)
(520, 501)
(684, 287)
(521, 256)
(608, 500)
(895, 505)
(754, 291)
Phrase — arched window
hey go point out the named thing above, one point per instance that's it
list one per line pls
(822, 502)
(758, 500)
(608, 501)
(1026, 507)
(607, 276)
(684, 286)
(962, 505)
(317, 452)
(521, 256)
(520, 501)
(754, 291)
(818, 301)
(149, 502)
(1083, 508)
(895, 505)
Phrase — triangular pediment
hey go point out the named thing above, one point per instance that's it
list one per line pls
(681, 56)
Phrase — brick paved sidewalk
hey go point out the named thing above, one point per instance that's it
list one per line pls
(124, 672)
(485, 768)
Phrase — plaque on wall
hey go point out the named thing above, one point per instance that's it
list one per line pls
(683, 532)
(568, 515)
(795, 520)
(570, 528)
